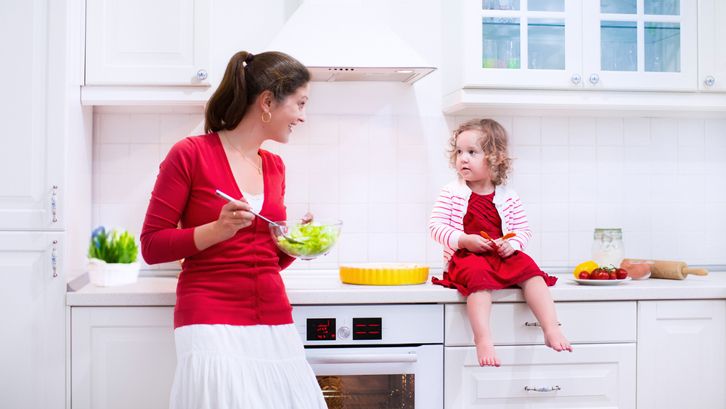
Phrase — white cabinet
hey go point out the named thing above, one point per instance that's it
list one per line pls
(569, 44)
(122, 357)
(531, 377)
(681, 354)
(136, 42)
(499, 44)
(31, 169)
(32, 157)
(31, 154)
(515, 324)
(32, 346)
(712, 45)
(640, 45)
(600, 373)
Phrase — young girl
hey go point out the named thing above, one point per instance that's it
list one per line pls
(470, 219)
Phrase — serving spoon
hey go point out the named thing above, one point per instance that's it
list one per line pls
(282, 228)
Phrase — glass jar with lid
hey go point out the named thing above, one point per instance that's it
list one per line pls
(607, 247)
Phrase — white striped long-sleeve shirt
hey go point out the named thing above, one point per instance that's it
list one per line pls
(446, 221)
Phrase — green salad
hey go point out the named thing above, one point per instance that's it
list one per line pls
(314, 239)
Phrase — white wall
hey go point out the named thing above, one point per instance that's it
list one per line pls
(374, 156)
(660, 179)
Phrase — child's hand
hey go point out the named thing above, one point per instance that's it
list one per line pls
(504, 249)
(475, 243)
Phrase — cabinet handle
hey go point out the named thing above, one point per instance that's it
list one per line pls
(54, 204)
(202, 75)
(54, 258)
(594, 78)
(542, 389)
(575, 79)
(709, 81)
(536, 324)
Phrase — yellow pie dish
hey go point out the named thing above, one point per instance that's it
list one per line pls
(384, 273)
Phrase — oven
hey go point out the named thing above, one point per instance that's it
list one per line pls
(375, 356)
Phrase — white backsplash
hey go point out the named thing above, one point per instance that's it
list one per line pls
(663, 180)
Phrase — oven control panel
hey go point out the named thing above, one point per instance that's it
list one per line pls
(369, 324)
(325, 329)
(320, 329)
(367, 328)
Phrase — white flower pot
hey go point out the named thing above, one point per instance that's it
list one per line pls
(105, 274)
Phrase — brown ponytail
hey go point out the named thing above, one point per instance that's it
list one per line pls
(246, 76)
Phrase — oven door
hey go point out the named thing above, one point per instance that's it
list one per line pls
(380, 377)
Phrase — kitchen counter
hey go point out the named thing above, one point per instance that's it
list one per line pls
(324, 287)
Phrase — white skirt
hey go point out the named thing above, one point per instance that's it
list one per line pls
(236, 367)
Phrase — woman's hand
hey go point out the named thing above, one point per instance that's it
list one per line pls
(504, 249)
(307, 218)
(233, 217)
(475, 243)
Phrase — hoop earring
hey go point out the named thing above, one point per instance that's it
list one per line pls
(267, 118)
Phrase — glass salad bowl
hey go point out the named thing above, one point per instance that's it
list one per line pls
(305, 241)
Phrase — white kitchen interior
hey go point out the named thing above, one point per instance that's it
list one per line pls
(640, 147)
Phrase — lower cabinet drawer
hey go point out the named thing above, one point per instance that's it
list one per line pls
(532, 377)
(515, 324)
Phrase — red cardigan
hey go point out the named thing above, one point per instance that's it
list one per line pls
(234, 282)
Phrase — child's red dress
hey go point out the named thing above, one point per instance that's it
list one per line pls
(470, 272)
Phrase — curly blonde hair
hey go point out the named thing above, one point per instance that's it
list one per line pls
(493, 141)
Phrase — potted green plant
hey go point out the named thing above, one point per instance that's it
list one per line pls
(112, 258)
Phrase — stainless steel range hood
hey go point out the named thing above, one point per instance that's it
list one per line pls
(341, 40)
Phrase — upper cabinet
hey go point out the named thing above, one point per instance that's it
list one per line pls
(514, 54)
(640, 44)
(32, 149)
(514, 43)
(711, 38)
(525, 44)
(571, 44)
(136, 42)
(139, 44)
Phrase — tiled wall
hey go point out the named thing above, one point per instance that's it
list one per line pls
(663, 180)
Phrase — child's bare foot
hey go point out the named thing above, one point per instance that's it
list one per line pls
(485, 354)
(556, 340)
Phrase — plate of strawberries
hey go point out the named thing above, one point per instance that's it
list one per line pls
(602, 276)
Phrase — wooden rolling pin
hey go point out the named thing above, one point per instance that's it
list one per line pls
(672, 270)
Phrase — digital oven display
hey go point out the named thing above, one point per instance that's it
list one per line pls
(367, 328)
(321, 329)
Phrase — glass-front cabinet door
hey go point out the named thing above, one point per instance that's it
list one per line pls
(583, 44)
(522, 43)
(712, 45)
(640, 44)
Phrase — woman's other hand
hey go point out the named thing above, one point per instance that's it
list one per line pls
(475, 243)
(307, 218)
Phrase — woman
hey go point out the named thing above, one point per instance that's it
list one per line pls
(235, 341)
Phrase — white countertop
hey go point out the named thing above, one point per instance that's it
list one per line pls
(324, 287)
